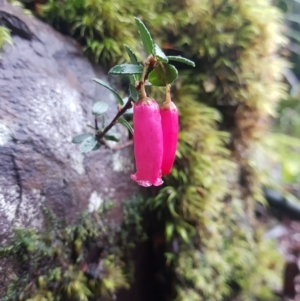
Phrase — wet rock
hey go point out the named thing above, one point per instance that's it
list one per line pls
(46, 95)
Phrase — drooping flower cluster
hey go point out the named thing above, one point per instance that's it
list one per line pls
(155, 140)
(169, 123)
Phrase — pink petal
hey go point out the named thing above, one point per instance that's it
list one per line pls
(148, 143)
(169, 121)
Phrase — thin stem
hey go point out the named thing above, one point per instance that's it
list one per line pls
(96, 123)
(168, 94)
(127, 143)
(142, 90)
(103, 121)
(143, 78)
(127, 106)
(120, 146)
(149, 65)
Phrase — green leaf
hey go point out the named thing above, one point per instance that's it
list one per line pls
(88, 144)
(103, 121)
(146, 37)
(162, 75)
(126, 69)
(111, 138)
(169, 231)
(181, 60)
(100, 108)
(183, 233)
(159, 54)
(126, 124)
(80, 138)
(133, 60)
(133, 93)
(105, 85)
(131, 54)
(97, 146)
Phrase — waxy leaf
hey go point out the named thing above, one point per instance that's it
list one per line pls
(126, 124)
(105, 85)
(88, 144)
(111, 138)
(80, 138)
(181, 60)
(159, 54)
(146, 37)
(126, 69)
(133, 60)
(97, 146)
(100, 108)
(133, 93)
(162, 75)
(131, 54)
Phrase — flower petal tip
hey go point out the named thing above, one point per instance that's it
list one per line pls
(146, 183)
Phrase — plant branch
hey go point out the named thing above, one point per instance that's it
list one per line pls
(96, 123)
(149, 65)
(119, 146)
(127, 143)
(128, 105)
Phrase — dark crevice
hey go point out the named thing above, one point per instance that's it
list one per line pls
(16, 25)
(19, 183)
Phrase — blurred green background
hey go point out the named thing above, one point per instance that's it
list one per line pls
(239, 130)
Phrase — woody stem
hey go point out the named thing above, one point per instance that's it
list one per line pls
(128, 105)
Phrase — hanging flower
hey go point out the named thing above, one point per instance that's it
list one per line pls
(169, 121)
(148, 142)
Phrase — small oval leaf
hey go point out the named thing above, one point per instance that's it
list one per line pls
(111, 138)
(162, 75)
(97, 146)
(133, 93)
(100, 108)
(126, 69)
(159, 54)
(181, 60)
(105, 85)
(88, 144)
(146, 37)
(131, 54)
(79, 138)
(132, 78)
(125, 123)
(133, 60)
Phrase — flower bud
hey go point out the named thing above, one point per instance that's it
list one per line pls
(169, 122)
(148, 142)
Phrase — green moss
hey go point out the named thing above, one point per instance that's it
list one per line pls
(73, 262)
(207, 204)
(4, 37)
(102, 26)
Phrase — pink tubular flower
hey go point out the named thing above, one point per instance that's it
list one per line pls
(169, 122)
(148, 143)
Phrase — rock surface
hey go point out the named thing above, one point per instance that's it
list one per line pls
(46, 95)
